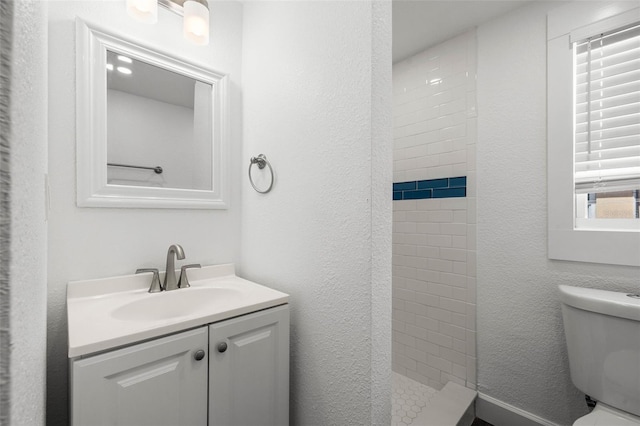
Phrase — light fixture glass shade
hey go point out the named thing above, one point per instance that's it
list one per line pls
(196, 22)
(143, 10)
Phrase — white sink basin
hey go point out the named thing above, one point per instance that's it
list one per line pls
(175, 303)
(111, 312)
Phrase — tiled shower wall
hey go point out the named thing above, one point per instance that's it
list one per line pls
(434, 257)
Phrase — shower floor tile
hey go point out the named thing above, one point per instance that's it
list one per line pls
(408, 398)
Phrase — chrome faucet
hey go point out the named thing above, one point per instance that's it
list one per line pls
(170, 282)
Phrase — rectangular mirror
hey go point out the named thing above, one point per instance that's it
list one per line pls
(151, 128)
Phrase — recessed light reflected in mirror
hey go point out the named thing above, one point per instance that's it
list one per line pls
(124, 70)
(109, 67)
(124, 59)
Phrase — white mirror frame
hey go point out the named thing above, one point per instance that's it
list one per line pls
(92, 43)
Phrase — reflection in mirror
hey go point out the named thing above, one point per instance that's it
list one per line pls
(159, 126)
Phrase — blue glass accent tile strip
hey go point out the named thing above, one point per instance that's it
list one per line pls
(433, 188)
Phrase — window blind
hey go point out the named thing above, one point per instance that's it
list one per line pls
(607, 111)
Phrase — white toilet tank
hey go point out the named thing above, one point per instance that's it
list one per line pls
(602, 329)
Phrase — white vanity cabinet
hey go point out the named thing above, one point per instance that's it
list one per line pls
(155, 383)
(232, 372)
(249, 370)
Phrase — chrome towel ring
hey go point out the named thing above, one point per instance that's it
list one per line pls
(261, 161)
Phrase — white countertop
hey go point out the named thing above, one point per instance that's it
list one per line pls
(100, 314)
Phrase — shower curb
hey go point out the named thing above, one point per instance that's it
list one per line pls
(453, 405)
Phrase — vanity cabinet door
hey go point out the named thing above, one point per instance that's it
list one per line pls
(160, 382)
(249, 370)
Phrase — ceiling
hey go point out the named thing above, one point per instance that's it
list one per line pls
(419, 24)
(150, 81)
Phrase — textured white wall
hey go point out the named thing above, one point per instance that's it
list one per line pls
(522, 358)
(381, 216)
(99, 242)
(28, 220)
(312, 107)
(434, 239)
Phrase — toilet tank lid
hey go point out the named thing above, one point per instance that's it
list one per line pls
(612, 303)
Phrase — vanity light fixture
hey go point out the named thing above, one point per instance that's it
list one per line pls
(124, 70)
(143, 10)
(196, 21)
(195, 15)
(126, 59)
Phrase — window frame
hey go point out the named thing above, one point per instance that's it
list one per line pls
(574, 21)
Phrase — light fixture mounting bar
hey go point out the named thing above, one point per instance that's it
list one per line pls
(177, 6)
(173, 5)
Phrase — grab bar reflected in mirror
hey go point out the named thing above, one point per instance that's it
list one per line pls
(156, 169)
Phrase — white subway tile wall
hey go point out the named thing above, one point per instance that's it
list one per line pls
(434, 240)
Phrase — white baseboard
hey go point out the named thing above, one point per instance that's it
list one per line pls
(499, 413)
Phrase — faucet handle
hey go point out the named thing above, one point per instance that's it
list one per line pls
(184, 280)
(155, 286)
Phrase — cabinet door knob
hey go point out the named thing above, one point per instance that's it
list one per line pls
(222, 347)
(198, 355)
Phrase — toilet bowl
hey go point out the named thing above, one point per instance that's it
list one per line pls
(603, 415)
(602, 330)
